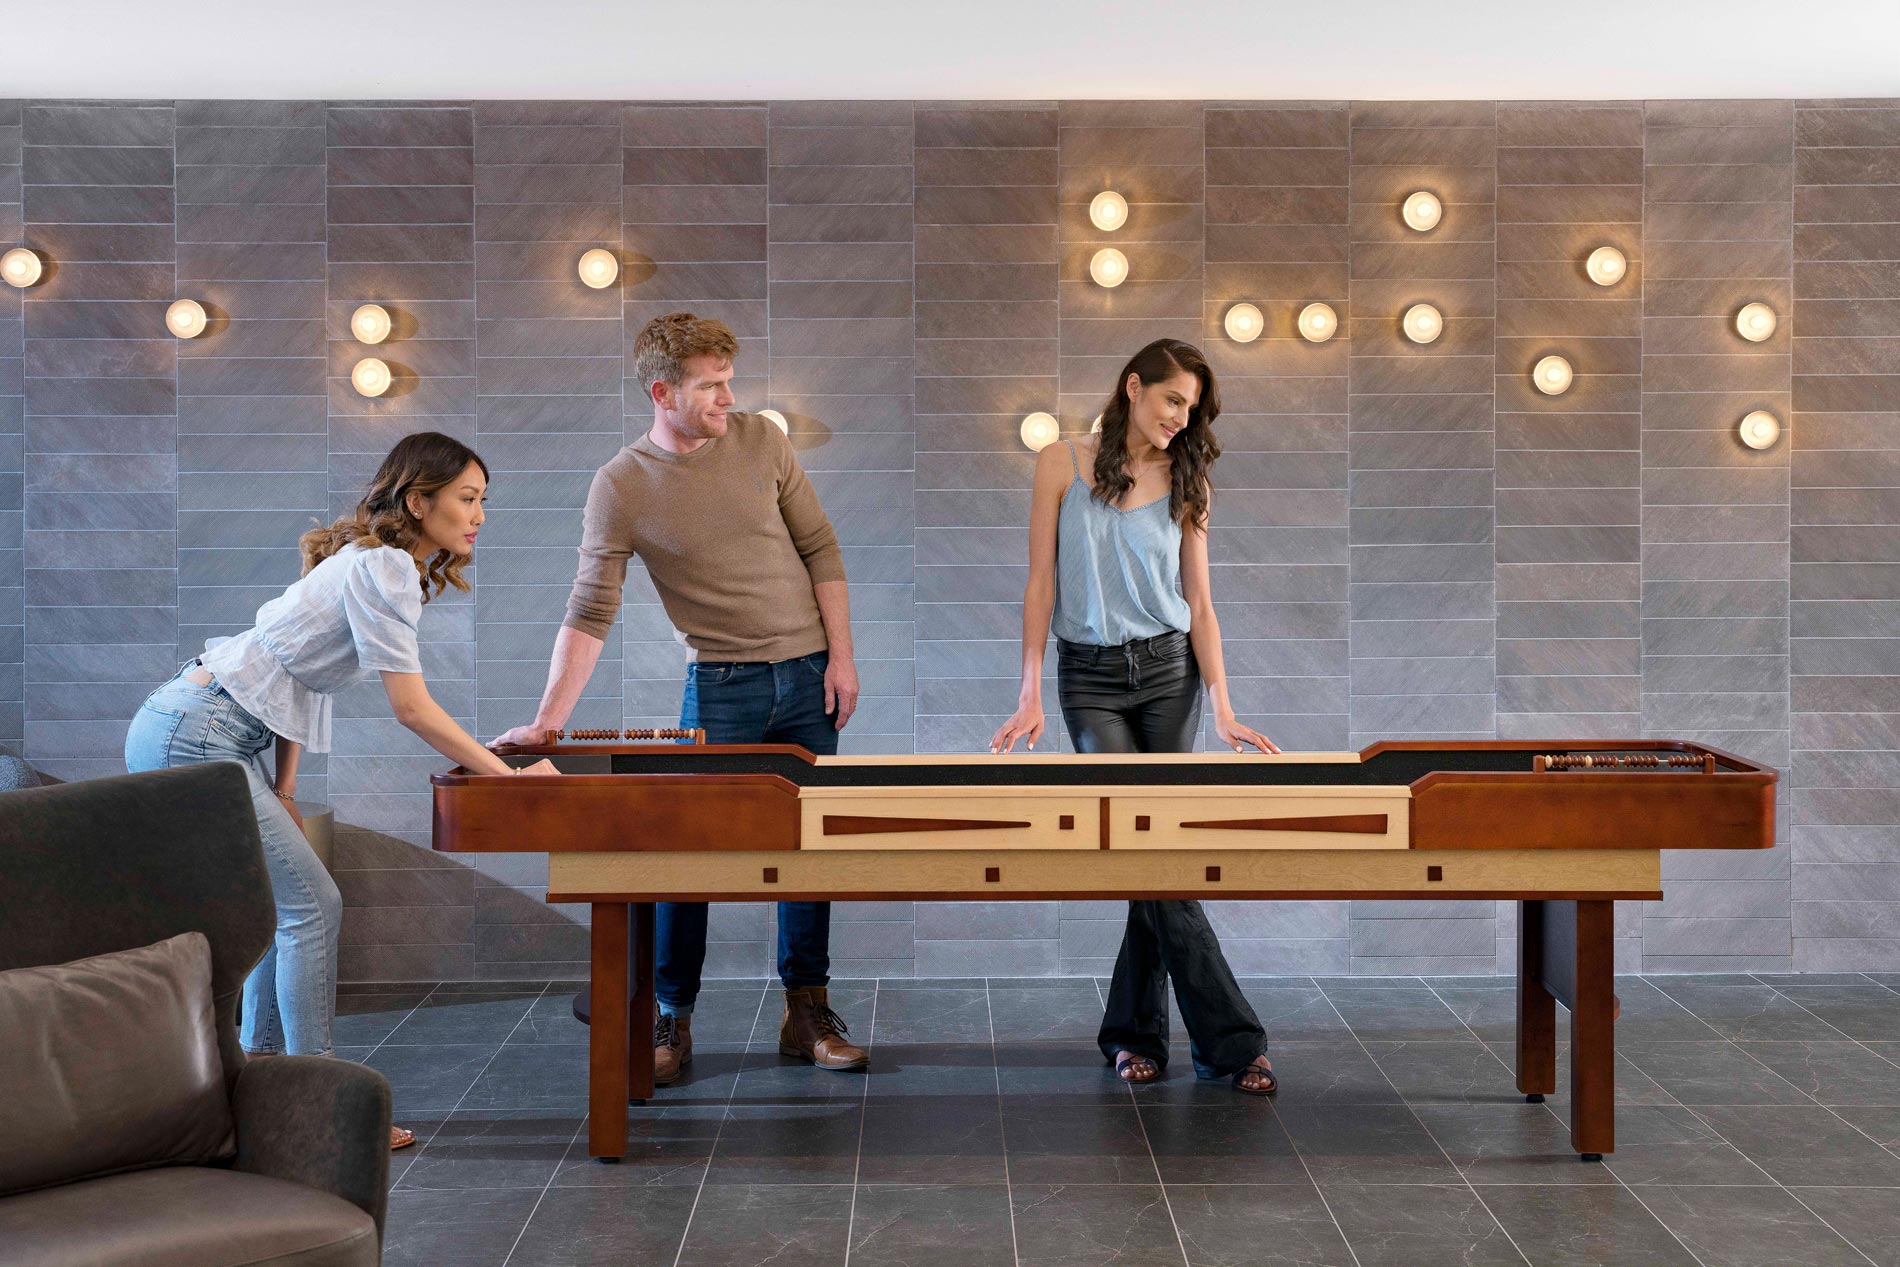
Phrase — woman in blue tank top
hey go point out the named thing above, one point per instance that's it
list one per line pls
(1118, 568)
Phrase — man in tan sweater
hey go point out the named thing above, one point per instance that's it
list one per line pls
(748, 569)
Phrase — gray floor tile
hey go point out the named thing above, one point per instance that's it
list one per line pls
(1814, 978)
(1446, 1073)
(1509, 1143)
(1070, 1013)
(1214, 1146)
(469, 1229)
(1066, 1073)
(932, 1141)
(1333, 985)
(1505, 982)
(462, 1017)
(581, 1227)
(1490, 1014)
(752, 1225)
(1286, 1225)
(1804, 1145)
(364, 1020)
(422, 1079)
(1749, 1227)
(1742, 1009)
(1365, 1144)
(1633, 1086)
(1869, 1012)
(1666, 1144)
(1591, 1226)
(1094, 1226)
(1868, 1217)
(1076, 1144)
(1833, 1072)
(532, 1076)
(1882, 1125)
(795, 1144)
(1646, 1014)
(1328, 1073)
(769, 1078)
(482, 1149)
(932, 1227)
(550, 1020)
(1295, 1012)
(932, 1016)
(1712, 1073)
(1412, 1226)
(1388, 1015)
(905, 1071)
(665, 1148)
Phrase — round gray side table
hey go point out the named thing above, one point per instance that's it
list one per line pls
(319, 828)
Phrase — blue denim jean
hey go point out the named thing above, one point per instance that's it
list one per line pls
(290, 996)
(778, 702)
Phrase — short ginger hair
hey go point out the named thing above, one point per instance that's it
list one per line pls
(666, 343)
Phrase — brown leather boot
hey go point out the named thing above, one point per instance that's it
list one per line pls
(812, 1031)
(672, 1047)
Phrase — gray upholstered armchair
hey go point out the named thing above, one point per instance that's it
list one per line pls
(112, 864)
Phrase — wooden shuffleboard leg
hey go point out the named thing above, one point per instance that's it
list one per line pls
(1593, 1032)
(607, 1055)
(1536, 1008)
(640, 1013)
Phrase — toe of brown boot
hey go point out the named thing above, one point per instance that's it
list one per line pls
(811, 1031)
(672, 1047)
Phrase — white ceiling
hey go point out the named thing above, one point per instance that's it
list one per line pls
(951, 49)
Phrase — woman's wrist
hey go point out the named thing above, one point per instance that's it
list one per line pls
(285, 794)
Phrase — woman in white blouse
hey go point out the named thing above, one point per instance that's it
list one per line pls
(354, 612)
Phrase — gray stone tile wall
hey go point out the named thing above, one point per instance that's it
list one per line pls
(1409, 541)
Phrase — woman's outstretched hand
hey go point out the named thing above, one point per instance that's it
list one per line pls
(1237, 736)
(1026, 721)
(543, 766)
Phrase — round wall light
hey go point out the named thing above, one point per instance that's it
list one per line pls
(599, 267)
(371, 377)
(1244, 323)
(1040, 430)
(1760, 429)
(1108, 211)
(1755, 321)
(1318, 323)
(777, 419)
(185, 318)
(1109, 267)
(1606, 266)
(1553, 375)
(370, 324)
(21, 267)
(1422, 211)
(1423, 323)
(1095, 428)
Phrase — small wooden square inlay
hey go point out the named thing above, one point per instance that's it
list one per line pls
(1141, 822)
(1066, 823)
(1434, 873)
(992, 875)
(1213, 874)
(771, 875)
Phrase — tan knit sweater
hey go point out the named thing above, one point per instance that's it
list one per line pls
(732, 535)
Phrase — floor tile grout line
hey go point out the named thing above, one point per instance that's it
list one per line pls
(428, 994)
(719, 1131)
(556, 1171)
(1407, 1105)
(864, 1099)
(1002, 1126)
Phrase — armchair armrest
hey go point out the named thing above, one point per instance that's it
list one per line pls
(318, 1122)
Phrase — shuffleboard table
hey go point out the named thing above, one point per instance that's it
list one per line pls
(1565, 829)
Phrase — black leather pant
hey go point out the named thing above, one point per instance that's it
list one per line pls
(1145, 696)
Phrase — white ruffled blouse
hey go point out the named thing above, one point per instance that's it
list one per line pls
(354, 614)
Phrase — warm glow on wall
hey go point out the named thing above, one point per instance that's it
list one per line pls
(777, 419)
(370, 324)
(1423, 323)
(371, 377)
(1760, 429)
(185, 318)
(1108, 211)
(1755, 322)
(1040, 430)
(1606, 266)
(1422, 211)
(1244, 323)
(20, 267)
(599, 267)
(1109, 267)
(1318, 323)
(1553, 376)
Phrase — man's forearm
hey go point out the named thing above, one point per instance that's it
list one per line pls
(834, 610)
(575, 654)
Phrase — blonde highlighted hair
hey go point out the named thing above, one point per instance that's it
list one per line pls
(425, 463)
(666, 343)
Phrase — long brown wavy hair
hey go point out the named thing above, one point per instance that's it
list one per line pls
(1192, 453)
(425, 462)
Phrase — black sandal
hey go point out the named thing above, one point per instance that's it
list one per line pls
(1122, 1065)
(1240, 1076)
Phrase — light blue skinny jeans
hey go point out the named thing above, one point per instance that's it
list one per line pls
(290, 996)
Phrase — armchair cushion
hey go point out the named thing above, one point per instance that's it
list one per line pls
(111, 1064)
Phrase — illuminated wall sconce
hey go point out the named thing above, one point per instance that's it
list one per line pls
(599, 267)
(185, 318)
(1423, 210)
(1318, 323)
(1040, 430)
(1606, 266)
(1755, 321)
(370, 324)
(1423, 323)
(1244, 323)
(1760, 429)
(1095, 428)
(371, 377)
(1109, 268)
(777, 419)
(21, 267)
(1553, 376)
(1108, 211)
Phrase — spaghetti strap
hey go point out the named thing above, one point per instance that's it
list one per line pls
(1074, 464)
